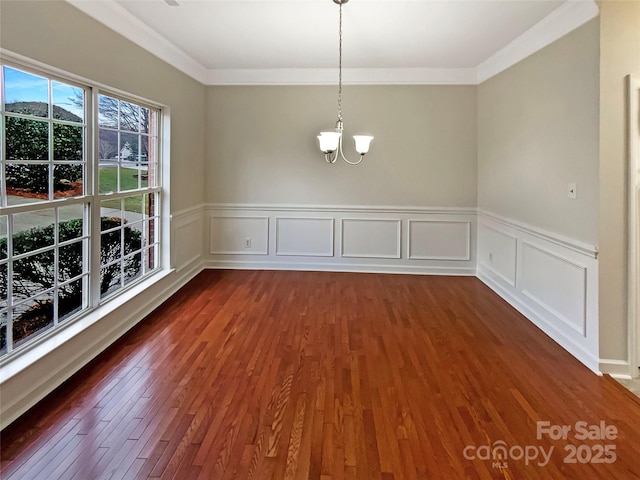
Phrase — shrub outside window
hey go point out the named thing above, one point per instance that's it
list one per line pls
(79, 198)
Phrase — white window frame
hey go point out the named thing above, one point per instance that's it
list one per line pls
(35, 348)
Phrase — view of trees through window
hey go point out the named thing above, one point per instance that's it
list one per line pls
(78, 200)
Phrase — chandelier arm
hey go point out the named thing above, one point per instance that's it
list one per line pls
(345, 158)
(331, 157)
(353, 163)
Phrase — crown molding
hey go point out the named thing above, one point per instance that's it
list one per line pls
(118, 19)
(558, 23)
(351, 76)
(566, 18)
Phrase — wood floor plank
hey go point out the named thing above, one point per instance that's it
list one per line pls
(330, 376)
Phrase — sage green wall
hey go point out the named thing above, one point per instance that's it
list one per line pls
(537, 132)
(57, 34)
(619, 56)
(262, 147)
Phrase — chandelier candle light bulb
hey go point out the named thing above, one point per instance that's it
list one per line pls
(331, 142)
(362, 143)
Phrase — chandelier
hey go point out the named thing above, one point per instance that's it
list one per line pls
(331, 142)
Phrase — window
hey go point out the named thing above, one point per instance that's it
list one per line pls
(79, 200)
(127, 166)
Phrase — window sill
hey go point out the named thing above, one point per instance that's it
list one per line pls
(16, 362)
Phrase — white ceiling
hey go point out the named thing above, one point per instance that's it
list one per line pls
(385, 41)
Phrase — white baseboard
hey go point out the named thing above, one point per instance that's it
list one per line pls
(338, 267)
(616, 368)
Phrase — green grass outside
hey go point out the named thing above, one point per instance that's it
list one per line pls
(128, 181)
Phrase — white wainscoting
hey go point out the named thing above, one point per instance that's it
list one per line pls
(500, 249)
(550, 279)
(439, 240)
(346, 238)
(371, 238)
(239, 235)
(304, 236)
(555, 283)
(188, 233)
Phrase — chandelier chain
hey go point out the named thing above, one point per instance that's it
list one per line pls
(331, 141)
(340, 67)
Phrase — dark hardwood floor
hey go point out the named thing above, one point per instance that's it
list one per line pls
(279, 375)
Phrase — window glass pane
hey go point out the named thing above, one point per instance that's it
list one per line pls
(70, 223)
(150, 204)
(70, 299)
(129, 117)
(4, 231)
(134, 208)
(135, 236)
(68, 142)
(129, 147)
(25, 93)
(33, 230)
(144, 148)
(107, 112)
(26, 139)
(110, 246)
(132, 238)
(145, 117)
(132, 268)
(150, 258)
(110, 277)
(110, 214)
(108, 178)
(27, 183)
(33, 274)
(68, 180)
(107, 145)
(3, 331)
(128, 176)
(4, 272)
(70, 263)
(32, 317)
(68, 102)
(152, 175)
(151, 230)
(143, 174)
